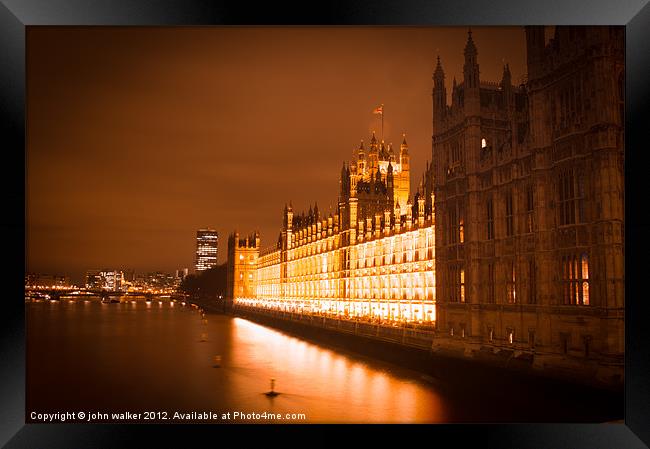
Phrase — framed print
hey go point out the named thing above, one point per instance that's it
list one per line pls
(380, 215)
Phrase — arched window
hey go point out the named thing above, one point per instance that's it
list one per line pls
(575, 276)
(483, 143)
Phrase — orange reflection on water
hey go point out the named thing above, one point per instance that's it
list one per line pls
(331, 386)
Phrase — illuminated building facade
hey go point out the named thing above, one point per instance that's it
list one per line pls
(109, 280)
(94, 280)
(379, 177)
(243, 254)
(207, 244)
(112, 280)
(528, 184)
(182, 273)
(373, 259)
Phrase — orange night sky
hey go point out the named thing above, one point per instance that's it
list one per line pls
(137, 137)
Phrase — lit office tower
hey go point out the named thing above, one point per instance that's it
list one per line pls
(112, 280)
(207, 242)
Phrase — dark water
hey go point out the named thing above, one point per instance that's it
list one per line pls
(94, 357)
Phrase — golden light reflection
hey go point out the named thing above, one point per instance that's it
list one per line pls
(303, 370)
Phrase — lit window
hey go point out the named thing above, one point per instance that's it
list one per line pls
(462, 285)
(585, 280)
(575, 277)
(241, 257)
(461, 227)
(483, 143)
(511, 334)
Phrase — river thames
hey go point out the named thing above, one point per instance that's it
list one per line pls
(158, 359)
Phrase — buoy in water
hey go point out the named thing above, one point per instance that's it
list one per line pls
(217, 361)
(272, 393)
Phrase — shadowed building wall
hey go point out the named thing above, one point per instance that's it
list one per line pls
(529, 199)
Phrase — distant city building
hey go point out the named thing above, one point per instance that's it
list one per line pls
(155, 281)
(129, 275)
(207, 243)
(105, 280)
(46, 280)
(94, 280)
(113, 280)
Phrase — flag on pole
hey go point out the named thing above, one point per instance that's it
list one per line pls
(379, 110)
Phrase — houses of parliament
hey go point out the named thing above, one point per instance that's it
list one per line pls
(513, 241)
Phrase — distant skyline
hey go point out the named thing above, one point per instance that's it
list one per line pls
(138, 137)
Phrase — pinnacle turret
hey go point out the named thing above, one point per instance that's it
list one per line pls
(470, 47)
(470, 69)
(439, 73)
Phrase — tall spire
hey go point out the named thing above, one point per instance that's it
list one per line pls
(506, 77)
(470, 69)
(506, 86)
(470, 48)
(439, 73)
(439, 94)
(404, 155)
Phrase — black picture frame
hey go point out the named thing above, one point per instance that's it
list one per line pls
(16, 15)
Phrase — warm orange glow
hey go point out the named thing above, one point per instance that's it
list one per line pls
(389, 278)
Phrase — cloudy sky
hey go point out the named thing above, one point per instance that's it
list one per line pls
(137, 137)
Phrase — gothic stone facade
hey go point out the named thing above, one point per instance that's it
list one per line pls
(528, 184)
(369, 260)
